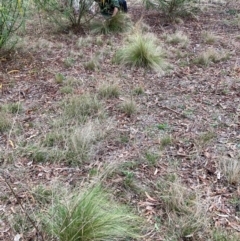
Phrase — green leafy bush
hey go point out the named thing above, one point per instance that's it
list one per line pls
(11, 19)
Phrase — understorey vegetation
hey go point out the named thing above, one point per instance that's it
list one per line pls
(123, 128)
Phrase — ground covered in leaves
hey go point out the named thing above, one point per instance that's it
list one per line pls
(184, 125)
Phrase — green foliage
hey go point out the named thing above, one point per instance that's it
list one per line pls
(61, 12)
(90, 215)
(141, 50)
(11, 19)
(173, 8)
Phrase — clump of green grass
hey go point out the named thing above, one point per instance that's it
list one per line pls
(139, 90)
(5, 121)
(151, 157)
(206, 137)
(210, 56)
(119, 23)
(165, 141)
(208, 37)
(59, 78)
(42, 194)
(66, 90)
(141, 50)
(14, 108)
(82, 107)
(178, 38)
(86, 216)
(162, 126)
(222, 235)
(129, 107)
(109, 91)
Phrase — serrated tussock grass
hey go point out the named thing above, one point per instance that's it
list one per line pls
(141, 50)
(90, 215)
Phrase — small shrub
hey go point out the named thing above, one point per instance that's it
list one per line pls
(11, 19)
(109, 91)
(64, 12)
(87, 216)
(141, 51)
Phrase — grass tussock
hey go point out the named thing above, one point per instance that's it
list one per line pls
(141, 50)
(119, 23)
(90, 215)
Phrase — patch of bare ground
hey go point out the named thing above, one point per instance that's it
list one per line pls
(186, 124)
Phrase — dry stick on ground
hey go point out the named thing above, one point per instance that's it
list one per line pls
(23, 209)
